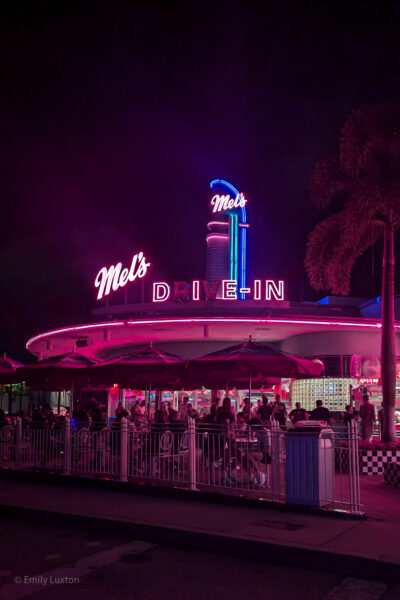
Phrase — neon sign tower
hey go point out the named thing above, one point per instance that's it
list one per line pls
(227, 240)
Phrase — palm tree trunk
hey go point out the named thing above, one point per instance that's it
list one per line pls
(388, 347)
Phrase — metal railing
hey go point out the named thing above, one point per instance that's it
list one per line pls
(160, 455)
(297, 466)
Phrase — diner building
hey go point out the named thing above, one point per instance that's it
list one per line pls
(193, 318)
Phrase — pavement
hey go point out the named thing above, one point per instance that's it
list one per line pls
(367, 547)
(77, 565)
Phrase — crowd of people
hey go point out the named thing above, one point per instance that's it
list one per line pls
(263, 413)
(221, 413)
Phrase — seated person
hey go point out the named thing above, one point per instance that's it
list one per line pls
(97, 420)
(320, 413)
(177, 428)
(158, 427)
(241, 424)
(225, 413)
(298, 414)
(264, 440)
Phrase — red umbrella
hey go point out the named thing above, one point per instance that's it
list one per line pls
(8, 374)
(147, 367)
(251, 359)
(8, 369)
(58, 372)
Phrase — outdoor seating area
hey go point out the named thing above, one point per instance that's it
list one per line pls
(254, 450)
(250, 462)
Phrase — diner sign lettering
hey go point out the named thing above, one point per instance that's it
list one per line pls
(224, 289)
(115, 277)
(220, 203)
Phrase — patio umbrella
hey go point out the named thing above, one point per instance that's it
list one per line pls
(148, 366)
(8, 369)
(58, 372)
(251, 359)
(8, 374)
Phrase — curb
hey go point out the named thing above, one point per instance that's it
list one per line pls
(358, 566)
(159, 491)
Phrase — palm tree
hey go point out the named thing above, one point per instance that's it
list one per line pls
(365, 178)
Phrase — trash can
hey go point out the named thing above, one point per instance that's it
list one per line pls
(310, 464)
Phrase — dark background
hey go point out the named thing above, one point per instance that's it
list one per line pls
(114, 117)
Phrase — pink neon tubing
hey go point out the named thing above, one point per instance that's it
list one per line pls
(210, 320)
(217, 236)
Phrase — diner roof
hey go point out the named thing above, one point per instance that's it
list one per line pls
(103, 338)
(119, 328)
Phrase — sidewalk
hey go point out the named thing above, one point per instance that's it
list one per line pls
(364, 548)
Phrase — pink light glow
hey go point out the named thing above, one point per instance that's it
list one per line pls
(75, 328)
(211, 320)
(361, 325)
(218, 223)
(257, 289)
(217, 236)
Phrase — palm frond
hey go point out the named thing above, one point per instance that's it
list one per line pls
(321, 249)
(326, 181)
(335, 244)
(369, 137)
(368, 171)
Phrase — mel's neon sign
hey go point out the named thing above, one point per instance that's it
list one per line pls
(115, 277)
(225, 289)
(220, 203)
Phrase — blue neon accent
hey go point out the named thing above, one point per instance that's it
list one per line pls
(243, 265)
(231, 244)
(324, 300)
(232, 188)
(243, 238)
(235, 247)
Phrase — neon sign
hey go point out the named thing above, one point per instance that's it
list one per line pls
(182, 291)
(225, 202)
(161, 291)
(115, 277)
(235, 207)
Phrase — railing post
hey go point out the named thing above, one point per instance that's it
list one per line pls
(18, 442)
(67, 445)
(124, 450)
(192, 454)
(354, 468)
(275, 460)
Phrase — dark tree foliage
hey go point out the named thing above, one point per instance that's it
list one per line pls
(366, 173)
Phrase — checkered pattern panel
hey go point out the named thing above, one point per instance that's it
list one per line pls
(391, 473)
(372, 463)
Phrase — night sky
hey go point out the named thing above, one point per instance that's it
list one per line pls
(116, 115)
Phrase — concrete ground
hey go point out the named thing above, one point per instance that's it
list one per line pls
(355, 545)
(120, 568)
(381, 501)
